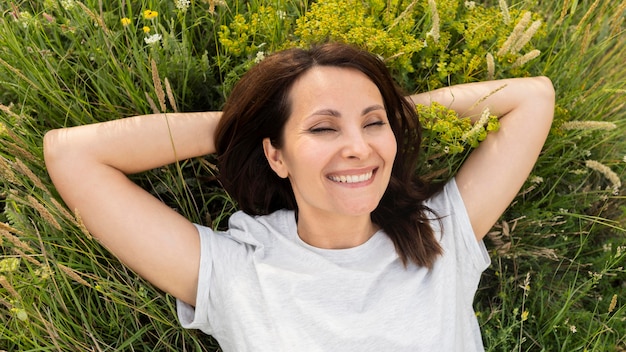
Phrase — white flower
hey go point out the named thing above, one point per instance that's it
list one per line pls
(68, 4)
(281, 14)
(259, 57)
(182, 5)
(470, 5)
(152, 39)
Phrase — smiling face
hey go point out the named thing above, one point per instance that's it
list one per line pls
(338, 148)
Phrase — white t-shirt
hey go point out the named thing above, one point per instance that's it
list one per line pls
(261, 288)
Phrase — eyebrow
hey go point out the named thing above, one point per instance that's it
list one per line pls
(335, 113)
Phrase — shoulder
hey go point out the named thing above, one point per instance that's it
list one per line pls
(447, 201)
(449, 214)
(454, 228)
(254, 229)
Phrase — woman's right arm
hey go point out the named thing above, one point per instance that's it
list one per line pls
(89, 166)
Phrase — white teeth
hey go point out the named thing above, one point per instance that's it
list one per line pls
(352, 178)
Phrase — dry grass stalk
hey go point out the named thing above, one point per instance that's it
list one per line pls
(564, 9)
(522, 60)
(43, 212)
(7, 286)
(606, 171)
(153, 106)
(7, 227)
(61, 209)
(584, 43)
(591, 10)
(81, 224)
(17, 151)
(613, 303)
(15, 241)
(158, 88)
(99, 20)
(28, 257)
(17, 72)
(403, 14)
(6, 172)
(589, 125)
(170, 95)
(618, 19)
(73, 274)
(518, 30)
(491, 66)
(25, 170)
(8, 111)
(504, 8)
(434, 14)
(487, 96)
(525, 38)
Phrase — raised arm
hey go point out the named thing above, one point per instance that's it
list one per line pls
(88, 166)
(493, 174)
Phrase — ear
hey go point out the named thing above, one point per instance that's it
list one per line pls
(274, 157)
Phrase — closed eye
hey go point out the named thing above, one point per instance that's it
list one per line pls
(319, 130)
(377, 123)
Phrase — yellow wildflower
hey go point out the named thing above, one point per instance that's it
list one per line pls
(125, 21)
(9, 264)
(525, 315)
(149, 14)
(19, 313)
(146, 29)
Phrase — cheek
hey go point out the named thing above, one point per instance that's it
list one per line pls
(391, 147)
(306, 157)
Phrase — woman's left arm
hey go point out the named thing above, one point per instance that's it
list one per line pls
(494, 173)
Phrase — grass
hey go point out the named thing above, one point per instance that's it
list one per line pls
(557, 281)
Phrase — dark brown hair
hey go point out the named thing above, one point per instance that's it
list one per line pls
(259, 107)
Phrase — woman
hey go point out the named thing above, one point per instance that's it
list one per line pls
(339, 246)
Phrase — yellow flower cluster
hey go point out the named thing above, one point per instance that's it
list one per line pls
(441, 37)
(246, 35)
(370, 26)
(445, 132)
(149, 14)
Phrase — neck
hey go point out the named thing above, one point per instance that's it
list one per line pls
(335, 232)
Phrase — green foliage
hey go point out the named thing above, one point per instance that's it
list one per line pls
(557, 278)
(427, 44)
(447, 139)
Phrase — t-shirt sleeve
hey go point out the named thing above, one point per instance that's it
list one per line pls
(197, 317)
(458, 236)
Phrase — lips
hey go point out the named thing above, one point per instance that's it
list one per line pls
(352, 178)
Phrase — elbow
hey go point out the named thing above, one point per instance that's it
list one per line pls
(55, 153)
(50, 147)
(546, 89)
(546, 96)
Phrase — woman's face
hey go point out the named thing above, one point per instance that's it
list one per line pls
(338, 147)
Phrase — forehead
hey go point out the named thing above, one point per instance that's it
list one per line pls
(324, 85)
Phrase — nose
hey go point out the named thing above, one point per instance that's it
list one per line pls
(356, 144)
